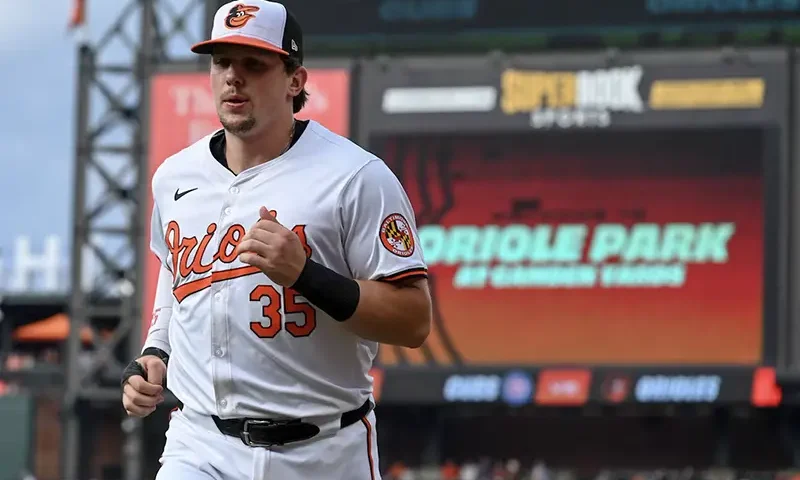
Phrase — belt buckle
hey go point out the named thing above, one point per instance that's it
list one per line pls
(246, 432)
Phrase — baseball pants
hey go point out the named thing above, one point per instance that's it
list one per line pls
(196, 450)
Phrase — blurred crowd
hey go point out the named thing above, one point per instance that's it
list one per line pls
(512, 469)
(20, 362)
(479, 470)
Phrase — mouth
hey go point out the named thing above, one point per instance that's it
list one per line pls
(234, 100)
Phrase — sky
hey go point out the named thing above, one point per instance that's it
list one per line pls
(37, 126)
(38, 58)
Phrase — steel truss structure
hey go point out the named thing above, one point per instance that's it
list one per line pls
(111, 181)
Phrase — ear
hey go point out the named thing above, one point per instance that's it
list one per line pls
(298, 83)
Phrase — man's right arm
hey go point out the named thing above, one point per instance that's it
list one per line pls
(143, 379)
(158, 333)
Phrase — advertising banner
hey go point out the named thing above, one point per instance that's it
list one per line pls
(581, 213)
(578, 387)
(182, 110)
(562, 92)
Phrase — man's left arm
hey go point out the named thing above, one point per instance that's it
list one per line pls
(393, 313)
(382, 249)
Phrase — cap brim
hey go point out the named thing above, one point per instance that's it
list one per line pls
(208, 46)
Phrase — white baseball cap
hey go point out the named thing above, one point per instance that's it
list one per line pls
(255, 23)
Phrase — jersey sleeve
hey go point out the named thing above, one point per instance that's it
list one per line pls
(157, 242)
(158, 333)
(380, 233)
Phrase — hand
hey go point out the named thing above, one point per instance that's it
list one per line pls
(273, 249)
(140, 397)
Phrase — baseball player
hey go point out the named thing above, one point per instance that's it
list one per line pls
(288, 253)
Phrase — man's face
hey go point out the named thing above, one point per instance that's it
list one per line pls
(250, 88)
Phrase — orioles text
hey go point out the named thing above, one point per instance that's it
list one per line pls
(188, 256)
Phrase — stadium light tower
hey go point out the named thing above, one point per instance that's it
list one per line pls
(111, 182)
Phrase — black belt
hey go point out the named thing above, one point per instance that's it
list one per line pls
(255, 432)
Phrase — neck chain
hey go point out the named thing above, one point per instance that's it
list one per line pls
(291, 137)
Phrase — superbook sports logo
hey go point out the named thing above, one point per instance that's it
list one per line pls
(563, 99)
(574, 255)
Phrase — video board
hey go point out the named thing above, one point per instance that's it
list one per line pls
(581, 212)
(603, 248)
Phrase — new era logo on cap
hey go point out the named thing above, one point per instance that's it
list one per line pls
(255, 23)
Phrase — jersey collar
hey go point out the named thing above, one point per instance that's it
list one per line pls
(217, 143)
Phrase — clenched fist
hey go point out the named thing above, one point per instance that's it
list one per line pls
(273, 249)
(140, 397)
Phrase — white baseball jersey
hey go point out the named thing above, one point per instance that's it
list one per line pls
(240, 345)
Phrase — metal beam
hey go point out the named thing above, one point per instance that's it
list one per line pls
(110, 186)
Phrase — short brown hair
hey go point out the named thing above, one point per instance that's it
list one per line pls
(292, 64)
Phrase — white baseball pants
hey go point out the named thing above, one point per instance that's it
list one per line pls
(196, 450)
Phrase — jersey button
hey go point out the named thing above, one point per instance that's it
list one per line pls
(234, 190)
(218, 352)
(217, 296)
(228, 211)
(223, 403)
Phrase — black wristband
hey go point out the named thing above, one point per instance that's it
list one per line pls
(334, 294)
(157, 352)
(132, 370)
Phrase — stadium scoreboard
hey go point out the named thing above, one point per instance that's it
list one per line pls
(594, 232)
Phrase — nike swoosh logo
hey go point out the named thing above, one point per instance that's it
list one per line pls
(179, 194)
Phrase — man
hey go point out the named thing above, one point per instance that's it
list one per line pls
(288, 254)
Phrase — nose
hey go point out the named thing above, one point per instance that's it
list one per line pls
(232, 75)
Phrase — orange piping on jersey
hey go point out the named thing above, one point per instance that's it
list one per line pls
(368, 426)
(188, 288)
(413, 272)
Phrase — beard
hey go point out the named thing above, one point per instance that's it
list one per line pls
(238, 126)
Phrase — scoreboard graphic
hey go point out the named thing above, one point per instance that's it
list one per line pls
(606, 228)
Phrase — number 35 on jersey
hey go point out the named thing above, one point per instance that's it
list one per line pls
(187, 259)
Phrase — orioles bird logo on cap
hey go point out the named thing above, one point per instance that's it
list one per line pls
(239, 15)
